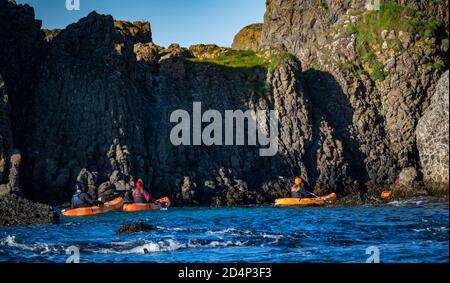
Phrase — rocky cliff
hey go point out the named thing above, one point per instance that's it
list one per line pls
(92, 102)
(21, 46)
(372, 74)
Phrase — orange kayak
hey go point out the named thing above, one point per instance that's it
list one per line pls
(306, 201)
(135, 207)
(386, 194)
(115, 204)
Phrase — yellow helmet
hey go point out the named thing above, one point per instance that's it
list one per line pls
(298, 181)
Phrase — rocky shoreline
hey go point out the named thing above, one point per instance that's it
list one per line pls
(15, 210)
(359, 103)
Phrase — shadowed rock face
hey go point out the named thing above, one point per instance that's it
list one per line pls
(114, 99)
(21, 46)
(117, 108)
(101, 93)
(432, 137)
(8, 169)
(21, 49)
(92, 117)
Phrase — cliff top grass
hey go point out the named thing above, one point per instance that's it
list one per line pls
(235, 59)
(391, 16)
(267, 59)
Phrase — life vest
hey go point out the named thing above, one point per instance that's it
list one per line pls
(77, 202)
(139, 197)
(295, 189)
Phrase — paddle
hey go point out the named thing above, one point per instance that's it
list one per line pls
(314, 195)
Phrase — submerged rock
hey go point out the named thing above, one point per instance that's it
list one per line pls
(135, 227)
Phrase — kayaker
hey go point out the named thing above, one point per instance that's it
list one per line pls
(140, 195)
(81, 198)
(299, 190)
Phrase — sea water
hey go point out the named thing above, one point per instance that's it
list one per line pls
(408, 231)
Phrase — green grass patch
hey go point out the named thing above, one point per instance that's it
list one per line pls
(246, 59)
(374, 68)
(235, 59)
(391, 16)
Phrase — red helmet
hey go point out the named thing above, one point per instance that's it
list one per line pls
(139, 184)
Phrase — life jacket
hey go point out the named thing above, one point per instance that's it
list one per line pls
(77, 202)
(295, 189)
(139, 197)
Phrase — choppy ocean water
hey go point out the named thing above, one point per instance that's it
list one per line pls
(408, 232)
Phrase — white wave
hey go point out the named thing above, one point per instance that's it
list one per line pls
(432, 229)
(272, 236)
(162, 246)
(235, 232)
(42, 248)
(216, 244)
(168, 246)
(229, 231)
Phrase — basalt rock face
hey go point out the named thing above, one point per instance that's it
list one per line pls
(432, 137)
(9, 157)
(21, 48)
(101, 95)
(111, 123)
(239, 175)
(86, 111)
(371, 98)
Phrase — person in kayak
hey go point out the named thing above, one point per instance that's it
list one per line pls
(81, 198)
(139, 194)
(299, 190)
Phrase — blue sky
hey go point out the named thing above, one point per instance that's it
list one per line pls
(185, 22)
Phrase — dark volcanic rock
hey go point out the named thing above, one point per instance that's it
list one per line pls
(90, 70)
(21, 50)
(135, 228)
(15, 210)
(9, 158)
(97, 99)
